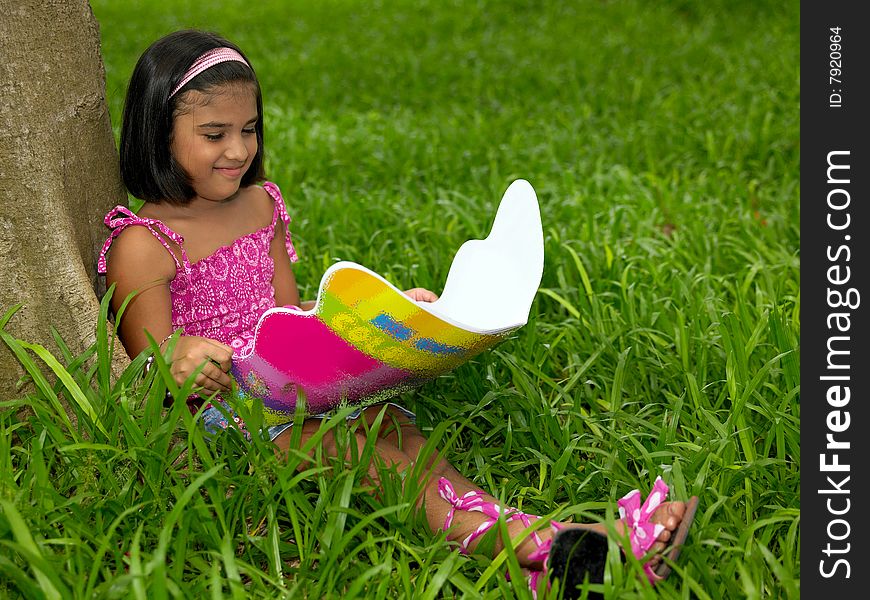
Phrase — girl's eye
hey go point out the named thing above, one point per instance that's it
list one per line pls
(249, 131)
(213, 137)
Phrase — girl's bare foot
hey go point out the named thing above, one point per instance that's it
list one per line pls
(669, 515)
(656, 529)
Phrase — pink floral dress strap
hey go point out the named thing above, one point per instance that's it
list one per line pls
(281, 212)
(121, 217)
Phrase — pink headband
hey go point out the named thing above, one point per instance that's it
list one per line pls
(207, 60)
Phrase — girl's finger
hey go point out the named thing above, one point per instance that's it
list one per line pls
(217, 376)
(206, 383)
(211, 377)
(223, 364)
(209, 384)
(221, 356)
(221, 378)
(220, 352)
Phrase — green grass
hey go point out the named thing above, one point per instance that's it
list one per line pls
(663, 141)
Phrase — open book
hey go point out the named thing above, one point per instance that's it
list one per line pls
(365, 340)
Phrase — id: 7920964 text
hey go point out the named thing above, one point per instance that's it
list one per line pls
(835, 74)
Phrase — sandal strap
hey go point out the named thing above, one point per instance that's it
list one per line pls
(642, 532)
(474, 501)
(543, 548)
(541, 553)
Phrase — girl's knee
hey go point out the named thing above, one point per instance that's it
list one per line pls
(384, 449)
(351, 444)
(392, 414)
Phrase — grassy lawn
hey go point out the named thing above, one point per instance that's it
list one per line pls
(663, 141)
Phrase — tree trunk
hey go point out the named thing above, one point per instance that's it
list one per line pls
(58, 175)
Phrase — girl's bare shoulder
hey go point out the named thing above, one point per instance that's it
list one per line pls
(140, 248)
(260, 203)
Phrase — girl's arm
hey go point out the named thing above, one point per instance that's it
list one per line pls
(139, 264)
(283, 280)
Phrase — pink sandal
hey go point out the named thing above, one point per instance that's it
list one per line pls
(574, 554)
(473, 502)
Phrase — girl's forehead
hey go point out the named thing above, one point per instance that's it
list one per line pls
(219, 95)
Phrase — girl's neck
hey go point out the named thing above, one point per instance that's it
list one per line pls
(201, 206)
(206, 225)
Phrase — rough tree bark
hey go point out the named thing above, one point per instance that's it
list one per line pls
(58, 174)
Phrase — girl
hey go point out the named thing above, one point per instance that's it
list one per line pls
(210, 251)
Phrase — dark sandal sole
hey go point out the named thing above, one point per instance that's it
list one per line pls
(580, 553)
(676, 545)
(575, 555)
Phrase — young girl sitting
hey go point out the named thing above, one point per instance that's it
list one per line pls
(210, 251)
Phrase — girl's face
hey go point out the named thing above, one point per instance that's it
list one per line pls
(214, 139)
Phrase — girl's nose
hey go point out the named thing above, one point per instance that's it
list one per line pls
(237, 149)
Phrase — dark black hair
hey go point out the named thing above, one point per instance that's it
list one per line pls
(148, 169)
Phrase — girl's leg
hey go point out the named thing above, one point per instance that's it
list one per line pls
(400, 443)
(386, 449)
(669, 514)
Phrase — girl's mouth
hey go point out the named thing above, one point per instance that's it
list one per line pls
(229, 172)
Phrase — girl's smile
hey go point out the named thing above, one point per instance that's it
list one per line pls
(229, 172)
(214, 139)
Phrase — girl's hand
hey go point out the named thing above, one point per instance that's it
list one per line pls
(191, 351)
(421, 295)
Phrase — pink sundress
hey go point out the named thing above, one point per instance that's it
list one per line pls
(223, 295)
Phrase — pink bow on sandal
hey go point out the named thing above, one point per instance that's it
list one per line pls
(642, 533)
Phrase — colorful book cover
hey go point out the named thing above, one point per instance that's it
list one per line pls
(365, 340)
